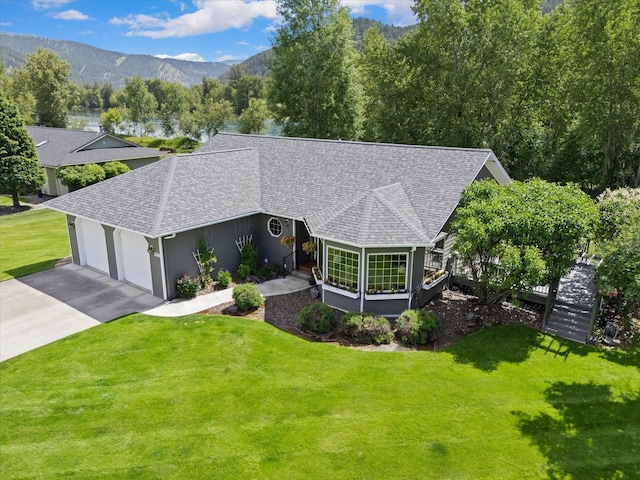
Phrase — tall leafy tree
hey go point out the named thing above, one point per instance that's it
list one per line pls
(602, 91)
(20, 170)
(47, 77)
(472, 82)
(314, 90)
(254, 118)
(141, 104)
(213, 116)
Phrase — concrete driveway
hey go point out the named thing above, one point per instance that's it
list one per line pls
(44, 307)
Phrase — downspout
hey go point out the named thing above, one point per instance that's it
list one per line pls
(295, 247)
(360, 281)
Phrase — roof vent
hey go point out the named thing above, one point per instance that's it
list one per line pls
(42, 143)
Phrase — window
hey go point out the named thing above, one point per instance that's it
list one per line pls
(342, 267)
(387, 272)
(275, 227)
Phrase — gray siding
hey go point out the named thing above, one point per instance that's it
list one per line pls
(484, 174)
(178, 251)
(107, 142)
(51, 187)
(270, 247)
(341, 302)
(140, 162)
(387, 308)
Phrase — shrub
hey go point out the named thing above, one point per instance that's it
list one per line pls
(368, 328)
(249, 257)
(416, 327)
(113, 169)
(224, 278)
(247, 296)
(244, 271)
(187, 287)
(317, 317)
(268, 271)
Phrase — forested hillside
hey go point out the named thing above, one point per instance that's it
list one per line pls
(90, 64)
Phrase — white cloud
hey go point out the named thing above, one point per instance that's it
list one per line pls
(71, 15)
(211, 16)
(44, 4)
(398, 11)
(192, 57)
(230, 58)
(245, 44)
(5, 24)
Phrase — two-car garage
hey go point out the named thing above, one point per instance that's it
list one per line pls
(130, 249)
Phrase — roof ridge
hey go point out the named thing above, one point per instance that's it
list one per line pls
(209, 152)
(340, 211)
(164, 197)
(366, 219)
(355, 142)
(409, 223)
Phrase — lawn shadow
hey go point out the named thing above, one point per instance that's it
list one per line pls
(629, 357)
(25, 270)
(490, 347)
(590, 435)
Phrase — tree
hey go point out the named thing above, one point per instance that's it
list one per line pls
(518, 236)
(141, 104)
(471, 82)
(313, 89)
(618, 237)
(111, 120)
(254, 118)
(47, 77)
(79, 176)
(20, 170)
(213, 116)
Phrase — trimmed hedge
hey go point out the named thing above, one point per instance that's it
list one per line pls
(368, 328)
(416, 327)
(247, 296)
(318, 318)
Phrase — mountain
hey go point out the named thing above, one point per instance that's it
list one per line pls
(257, 65)
(90, 64)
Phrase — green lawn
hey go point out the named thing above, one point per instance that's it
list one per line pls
(219, 397)
(31, 242)
(6, 201)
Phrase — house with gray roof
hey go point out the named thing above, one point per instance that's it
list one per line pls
(377, 215)
(61, 147)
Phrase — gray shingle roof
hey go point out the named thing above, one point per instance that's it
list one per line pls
(416, 188)
(172, 195)
(359, 193)
(60, 147)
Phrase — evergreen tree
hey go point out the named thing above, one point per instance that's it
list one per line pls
(20, 170)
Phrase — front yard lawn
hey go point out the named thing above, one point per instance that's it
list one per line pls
(31, 241)
(219, 397)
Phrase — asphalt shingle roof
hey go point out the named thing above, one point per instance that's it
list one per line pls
(417, 188)
(359, 193)
(172, 195)
(60, 147)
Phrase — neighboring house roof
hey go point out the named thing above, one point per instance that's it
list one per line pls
(358, 193)
(57, 147)
(180, 193)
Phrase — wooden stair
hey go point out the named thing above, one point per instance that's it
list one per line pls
(572, 312)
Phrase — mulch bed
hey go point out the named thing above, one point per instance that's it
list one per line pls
(11, 210)
(459, 316)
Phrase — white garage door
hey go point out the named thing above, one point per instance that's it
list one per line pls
(92, 245)
(134, 260)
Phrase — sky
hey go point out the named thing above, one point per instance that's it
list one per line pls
(199, 30)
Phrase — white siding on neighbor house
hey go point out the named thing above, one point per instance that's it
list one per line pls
(92, 245)
(134, 265)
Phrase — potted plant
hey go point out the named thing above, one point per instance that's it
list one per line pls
(309, 247)
(287, 240)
